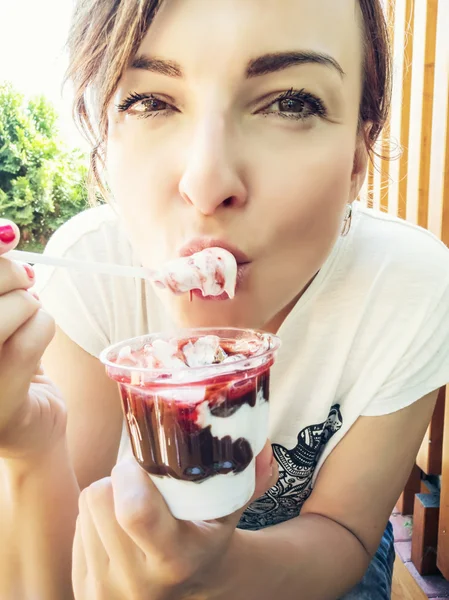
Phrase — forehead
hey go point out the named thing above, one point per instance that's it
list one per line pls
(201, 34)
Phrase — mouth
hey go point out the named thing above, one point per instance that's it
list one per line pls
(243, 262)
(199, 244)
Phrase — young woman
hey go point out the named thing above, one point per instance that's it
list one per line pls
(247, 125)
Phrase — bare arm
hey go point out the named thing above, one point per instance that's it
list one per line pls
(93, 406)
(324, 552)
(39, 499)
(38, 515)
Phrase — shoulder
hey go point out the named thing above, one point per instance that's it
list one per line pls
(93, 232)
(385, 235)
(396, 256)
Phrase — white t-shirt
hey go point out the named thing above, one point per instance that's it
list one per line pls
(369, 336)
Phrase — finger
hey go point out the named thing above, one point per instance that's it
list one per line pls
(22, 352)
(141, 510)
(79, 563)
(15, 275)
(117, 543)
(127, 559)
(9, 235)
(96, 556)
(87, 581)
(16, 308)
(20, 355)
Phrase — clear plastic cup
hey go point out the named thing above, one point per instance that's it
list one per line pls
(197, 431)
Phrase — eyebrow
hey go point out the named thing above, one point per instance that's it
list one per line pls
(157, 65)
(272, 63)
(263, 65)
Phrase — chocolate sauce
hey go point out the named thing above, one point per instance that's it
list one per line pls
(165, 435)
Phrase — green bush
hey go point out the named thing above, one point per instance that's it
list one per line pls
(42, 183)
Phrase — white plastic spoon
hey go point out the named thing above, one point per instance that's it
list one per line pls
(91, 267)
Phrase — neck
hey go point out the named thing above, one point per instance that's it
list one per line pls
(275, 323)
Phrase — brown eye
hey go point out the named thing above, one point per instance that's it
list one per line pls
(153, 104)
(292, 105)
(147, 105)
(299, 105)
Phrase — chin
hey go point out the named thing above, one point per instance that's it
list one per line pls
(210, 313)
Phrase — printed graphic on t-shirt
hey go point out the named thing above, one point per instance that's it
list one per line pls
(296, 467)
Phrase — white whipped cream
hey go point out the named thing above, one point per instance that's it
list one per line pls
(213, 271)
(163, 354)
(214, 498)
(205, 351)
(249, 422)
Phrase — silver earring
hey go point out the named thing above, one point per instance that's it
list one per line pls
(347, 221)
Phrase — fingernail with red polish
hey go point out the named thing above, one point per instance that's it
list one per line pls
(29, 271)
(7, 234)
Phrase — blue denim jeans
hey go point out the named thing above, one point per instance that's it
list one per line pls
(376, 584)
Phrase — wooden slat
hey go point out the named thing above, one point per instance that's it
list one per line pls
(430, 454)
(443, 533)
(445, 216)
(385, 147)
(416, 110)
(400, 35)
(439, 149)
(425, 533)
(404, 586)
(439, 176)
(406, 107)
(428, 488)
(406, 501)
(427, 111)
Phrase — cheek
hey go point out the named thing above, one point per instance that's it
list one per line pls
(132, 171)
(306, 188)
(303, 202)
(144, 188)
(132, 178)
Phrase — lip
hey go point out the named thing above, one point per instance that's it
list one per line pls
(199, 244)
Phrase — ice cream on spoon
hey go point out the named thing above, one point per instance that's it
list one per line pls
(213, 271)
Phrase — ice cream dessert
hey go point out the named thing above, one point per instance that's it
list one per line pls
(213, 271)
(196, 408)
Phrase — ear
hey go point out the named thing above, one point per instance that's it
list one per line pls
(360, 166)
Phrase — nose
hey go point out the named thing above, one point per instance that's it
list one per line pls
(211, 178)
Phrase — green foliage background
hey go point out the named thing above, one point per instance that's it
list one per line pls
(42, 183)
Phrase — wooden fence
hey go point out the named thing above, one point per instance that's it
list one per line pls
(415, 187)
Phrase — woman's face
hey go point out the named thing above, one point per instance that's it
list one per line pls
(238, 123)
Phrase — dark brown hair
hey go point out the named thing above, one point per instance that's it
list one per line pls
(106, 34)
